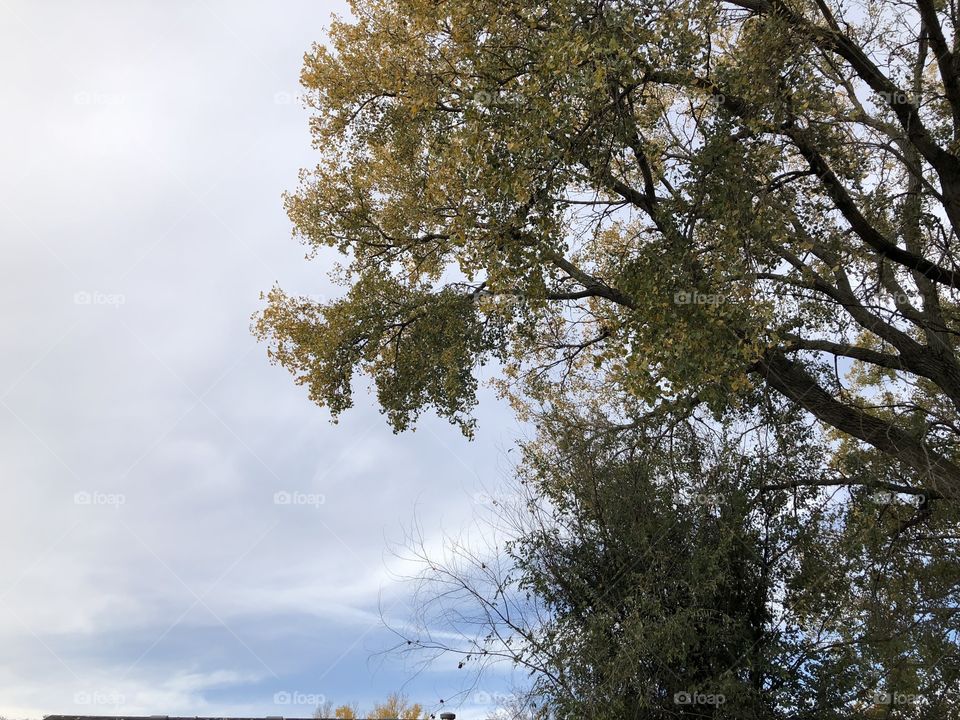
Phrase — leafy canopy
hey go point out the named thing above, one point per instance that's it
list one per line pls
(641, 203)
(629, 576)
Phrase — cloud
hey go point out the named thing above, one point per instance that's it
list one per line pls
(143, 435)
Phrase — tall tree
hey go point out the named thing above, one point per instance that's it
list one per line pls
(643, 203)
(692, 578)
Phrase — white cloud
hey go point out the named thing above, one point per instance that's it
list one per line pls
(145, 157)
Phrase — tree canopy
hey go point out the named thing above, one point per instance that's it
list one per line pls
(395, 707)
(699, 578)
(657, 219)
(682, 202)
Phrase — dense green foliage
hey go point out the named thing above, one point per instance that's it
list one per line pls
(696, 576)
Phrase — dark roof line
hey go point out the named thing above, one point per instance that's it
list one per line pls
(175, 717)
(189, 717)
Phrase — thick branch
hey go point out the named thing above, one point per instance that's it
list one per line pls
(867, 232)
(946, 62)
(894, 362)
(791, 380)
(595, 286)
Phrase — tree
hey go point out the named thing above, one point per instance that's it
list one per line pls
(341, 712)
(345, 712)
(396, 707)
(641, 205)
(654, 216)
(679, 578)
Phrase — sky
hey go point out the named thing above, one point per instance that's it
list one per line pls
(183, 532)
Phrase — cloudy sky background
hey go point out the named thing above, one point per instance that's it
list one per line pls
(145, 566)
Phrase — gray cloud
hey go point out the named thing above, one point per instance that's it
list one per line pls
(144, 439)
